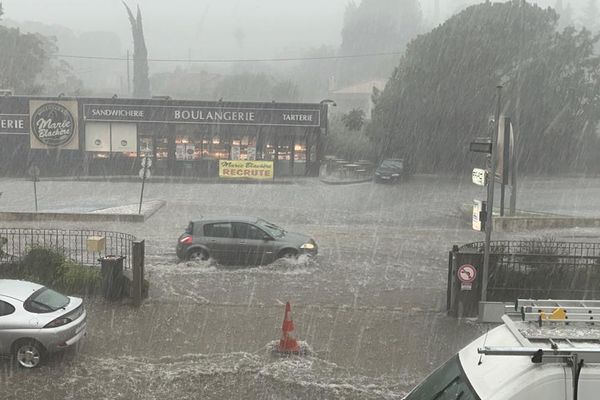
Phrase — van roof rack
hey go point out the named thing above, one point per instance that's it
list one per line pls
(566, 342)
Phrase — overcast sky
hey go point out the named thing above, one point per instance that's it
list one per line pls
(214, 28)
(211, 28)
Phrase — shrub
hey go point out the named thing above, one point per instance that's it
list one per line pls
(51, 268)
(42, 264)
(75, 278)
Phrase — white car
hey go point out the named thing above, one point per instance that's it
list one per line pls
(36, 321)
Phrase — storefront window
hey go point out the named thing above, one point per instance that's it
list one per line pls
(219, 148)
(146, 146)
(284, 151)
(269, 153)
(162, 147)
(188, 148)
(300, 152)
(243, 148)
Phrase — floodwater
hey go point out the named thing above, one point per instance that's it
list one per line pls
(371, 306)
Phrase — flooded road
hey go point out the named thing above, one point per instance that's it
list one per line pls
(371, 305)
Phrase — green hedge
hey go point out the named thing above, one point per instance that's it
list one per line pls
(49, 267)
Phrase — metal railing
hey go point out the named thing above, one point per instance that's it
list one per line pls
(16, 242)
(541, 268)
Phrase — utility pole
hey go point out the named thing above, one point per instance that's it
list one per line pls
(128, 80)
(490, 198)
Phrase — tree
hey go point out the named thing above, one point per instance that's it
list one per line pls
(354, 119)
(376, 26)
(441, 95)
(28, 65)
(141, 83)
(23, 59)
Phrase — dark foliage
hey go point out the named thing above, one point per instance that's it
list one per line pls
(442, 94)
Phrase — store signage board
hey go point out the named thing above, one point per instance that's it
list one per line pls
(478, 208)
(245, 170)
(479, 176)
(14, 124)
(54, 124)
(481, 145)
(208, 115)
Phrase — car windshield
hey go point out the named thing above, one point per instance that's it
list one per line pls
(391, 164)
(45, 300)
(271, 229)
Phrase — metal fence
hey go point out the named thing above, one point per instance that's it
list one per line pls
(539, 268)
(16, 242)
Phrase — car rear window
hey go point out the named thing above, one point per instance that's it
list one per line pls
(391, 164)
(45, 300)
(190, 228)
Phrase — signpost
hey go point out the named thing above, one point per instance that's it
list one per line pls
(483, 210)
(34, 173)
(144, 174)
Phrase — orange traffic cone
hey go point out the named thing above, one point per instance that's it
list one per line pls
(288, 343)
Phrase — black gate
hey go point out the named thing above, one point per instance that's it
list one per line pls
(539, 268)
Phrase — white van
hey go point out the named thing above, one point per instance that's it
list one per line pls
(551, 352)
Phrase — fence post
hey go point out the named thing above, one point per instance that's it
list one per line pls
(450, 293)
(137, 269)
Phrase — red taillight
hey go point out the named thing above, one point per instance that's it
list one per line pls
(58, 322)
(186, 240)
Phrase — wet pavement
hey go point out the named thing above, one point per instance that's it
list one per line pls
(371, 306)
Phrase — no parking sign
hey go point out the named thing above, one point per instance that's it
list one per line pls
(466, 275)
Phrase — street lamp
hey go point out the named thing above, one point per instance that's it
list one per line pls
(325, 108)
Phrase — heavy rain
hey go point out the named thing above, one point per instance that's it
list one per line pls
(275, 200)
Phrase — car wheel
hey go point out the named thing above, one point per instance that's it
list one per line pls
(288, 254)
(198, 255)
(28, 353)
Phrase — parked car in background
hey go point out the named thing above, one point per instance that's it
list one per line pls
(391, 170)
(241, 240)
(36, 321)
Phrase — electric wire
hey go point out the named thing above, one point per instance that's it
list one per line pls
(232, 60)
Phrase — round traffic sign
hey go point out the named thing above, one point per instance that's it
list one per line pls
(148, 173)
(146, 162)
(34, 171)
(467, 273)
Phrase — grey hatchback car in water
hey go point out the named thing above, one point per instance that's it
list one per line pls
(36, 321)
(241, 240)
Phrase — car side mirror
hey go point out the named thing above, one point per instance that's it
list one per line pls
(267, 238)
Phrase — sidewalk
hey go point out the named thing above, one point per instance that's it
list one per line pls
(285, 180)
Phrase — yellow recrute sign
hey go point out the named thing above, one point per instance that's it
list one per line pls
(240, 169)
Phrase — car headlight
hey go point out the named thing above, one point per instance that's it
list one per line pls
(308, 246)
(395, 174)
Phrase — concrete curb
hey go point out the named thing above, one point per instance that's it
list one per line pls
(531, 221)
(345, 182)
(79, 217)
(187, 180)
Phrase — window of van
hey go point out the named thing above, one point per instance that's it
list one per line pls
(445, 383)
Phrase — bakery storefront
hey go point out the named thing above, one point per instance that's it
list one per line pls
(100, 136)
